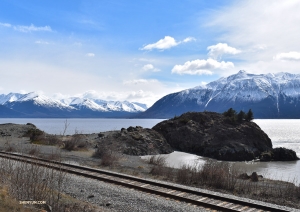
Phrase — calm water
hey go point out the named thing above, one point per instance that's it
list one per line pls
(283, 133)
(56, 126)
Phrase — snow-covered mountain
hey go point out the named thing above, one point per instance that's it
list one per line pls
(9, 97)
(37, 105)
(268, 95)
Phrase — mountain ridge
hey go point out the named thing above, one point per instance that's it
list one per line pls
(268, 95)
(37, 105)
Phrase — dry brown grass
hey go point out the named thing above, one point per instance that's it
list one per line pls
(224, 177)
(31, 182)
(8, 203)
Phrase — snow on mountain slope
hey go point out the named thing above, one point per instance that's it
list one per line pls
(245, 87)
(70, 103)
(87, 104)
(268, 95)
(42, 100)
(124, 106)
(9, 97)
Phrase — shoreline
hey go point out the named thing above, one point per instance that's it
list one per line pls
(133, 165)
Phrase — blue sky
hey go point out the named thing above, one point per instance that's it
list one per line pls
(141, 50)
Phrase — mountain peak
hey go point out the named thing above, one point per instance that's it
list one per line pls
(268, 95)
(242, 72)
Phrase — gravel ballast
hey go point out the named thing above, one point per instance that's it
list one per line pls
(118, 198)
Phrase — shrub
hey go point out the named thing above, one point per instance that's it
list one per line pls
(34, 150)
(184, 174)
(158, 160)
(75, 142)
(53, 140)
(27, 181)
(108, 157)
(35, 135)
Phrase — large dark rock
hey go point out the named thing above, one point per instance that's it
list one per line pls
(279, 154)
(135, 141)
(214, 135)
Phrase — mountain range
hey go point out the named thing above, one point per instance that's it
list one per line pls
(268, 95)
(36, 105)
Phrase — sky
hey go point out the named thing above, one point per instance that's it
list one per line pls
(141, 50)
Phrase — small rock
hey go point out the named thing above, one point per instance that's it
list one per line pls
(101, 135)
(254, 177)
(91, 196)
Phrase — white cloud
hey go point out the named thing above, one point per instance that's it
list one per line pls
(199, 67)
(189, 39)
(90, 55)
(32, 28)
(5, 24)
(139, 81)
(162, 44)
(260, 29)
(216, 51)
(288, 56)
(150, 67)
(166, 43)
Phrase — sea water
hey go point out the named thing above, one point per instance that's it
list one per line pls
(282, 132)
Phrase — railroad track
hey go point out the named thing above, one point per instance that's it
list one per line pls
(206, 200)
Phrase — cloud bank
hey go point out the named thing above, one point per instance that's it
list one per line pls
(216, 51)
(31, 28)
(288, 56)
(200, 67)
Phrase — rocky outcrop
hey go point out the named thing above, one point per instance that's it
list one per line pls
(214, 135)
(15, 130)
(279, 154)
(135, 141)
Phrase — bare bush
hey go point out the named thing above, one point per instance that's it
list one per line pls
(34, 150)
(10, 148)
(158, 160)
(100, 152)
(109, 159)
(28, 181)
(76, 142)
(157, 170)
(184, 174)
(52, 140)
(70, 144)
